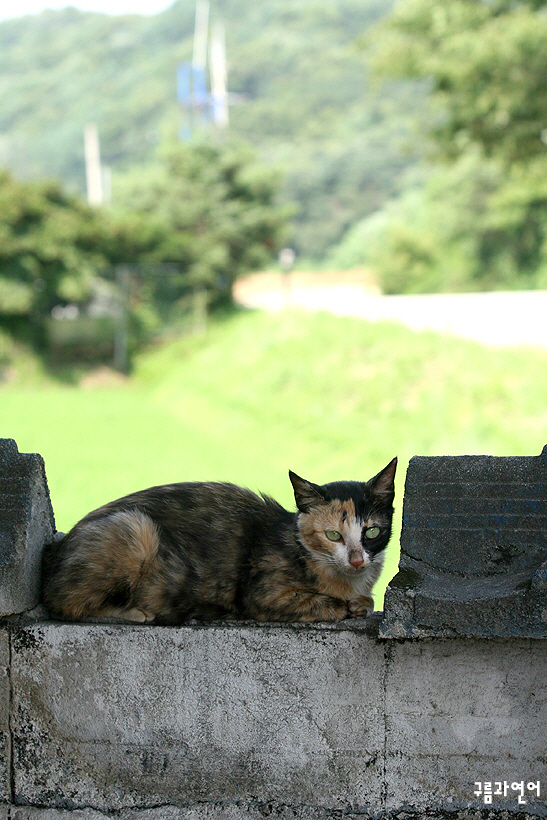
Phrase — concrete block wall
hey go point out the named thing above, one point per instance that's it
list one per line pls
(306, 719)
(249, 721)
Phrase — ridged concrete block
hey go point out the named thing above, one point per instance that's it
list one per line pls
(26, 525)
(473, 549)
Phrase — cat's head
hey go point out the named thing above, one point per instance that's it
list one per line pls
(346, 524)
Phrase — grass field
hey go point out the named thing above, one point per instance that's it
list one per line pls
(328, 397)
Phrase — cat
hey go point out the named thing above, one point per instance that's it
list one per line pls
(213, 551)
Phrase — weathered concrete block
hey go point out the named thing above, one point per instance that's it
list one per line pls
(259, 811)
(31, 813)
(5, 745)
(26, 524)
(473, 549)
(199, 811)
(464, 711)
(111, 717)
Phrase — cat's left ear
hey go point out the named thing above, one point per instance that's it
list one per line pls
(383, 485)
(306, 494)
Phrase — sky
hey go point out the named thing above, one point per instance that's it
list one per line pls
(22, 7)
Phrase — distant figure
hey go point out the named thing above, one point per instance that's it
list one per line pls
(286, 259)
(286, 262)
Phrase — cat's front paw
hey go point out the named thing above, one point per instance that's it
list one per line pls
(361, 607)
(331, 610)
(341, 611)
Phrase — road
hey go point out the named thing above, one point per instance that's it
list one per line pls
(498, 318)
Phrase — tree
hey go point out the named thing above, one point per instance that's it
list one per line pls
(486, 65)
(45, 254)
(485, 62)
(213, 210)
(196, 220)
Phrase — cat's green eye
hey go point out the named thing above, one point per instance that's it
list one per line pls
(372, 532)
(333, 535)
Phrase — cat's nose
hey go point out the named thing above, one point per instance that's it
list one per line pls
(357, 563)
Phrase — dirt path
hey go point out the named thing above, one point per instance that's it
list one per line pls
(498, 318)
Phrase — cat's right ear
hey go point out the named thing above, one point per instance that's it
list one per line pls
(306, 494)
(383, 485)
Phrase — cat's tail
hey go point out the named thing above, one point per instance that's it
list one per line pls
(97, 570)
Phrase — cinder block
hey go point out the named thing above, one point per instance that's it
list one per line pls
(473, 549)
(26, 525)
(113, 716)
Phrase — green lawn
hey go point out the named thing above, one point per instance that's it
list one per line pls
(330, 398)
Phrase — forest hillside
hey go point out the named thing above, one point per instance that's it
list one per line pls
(299, 92)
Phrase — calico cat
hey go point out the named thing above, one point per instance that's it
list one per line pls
(212, 550)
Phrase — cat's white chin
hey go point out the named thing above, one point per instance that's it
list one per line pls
(364, 580)
(353, 572)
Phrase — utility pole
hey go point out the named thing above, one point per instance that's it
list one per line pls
(199, 58)
(219, 79)
(93, 175)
